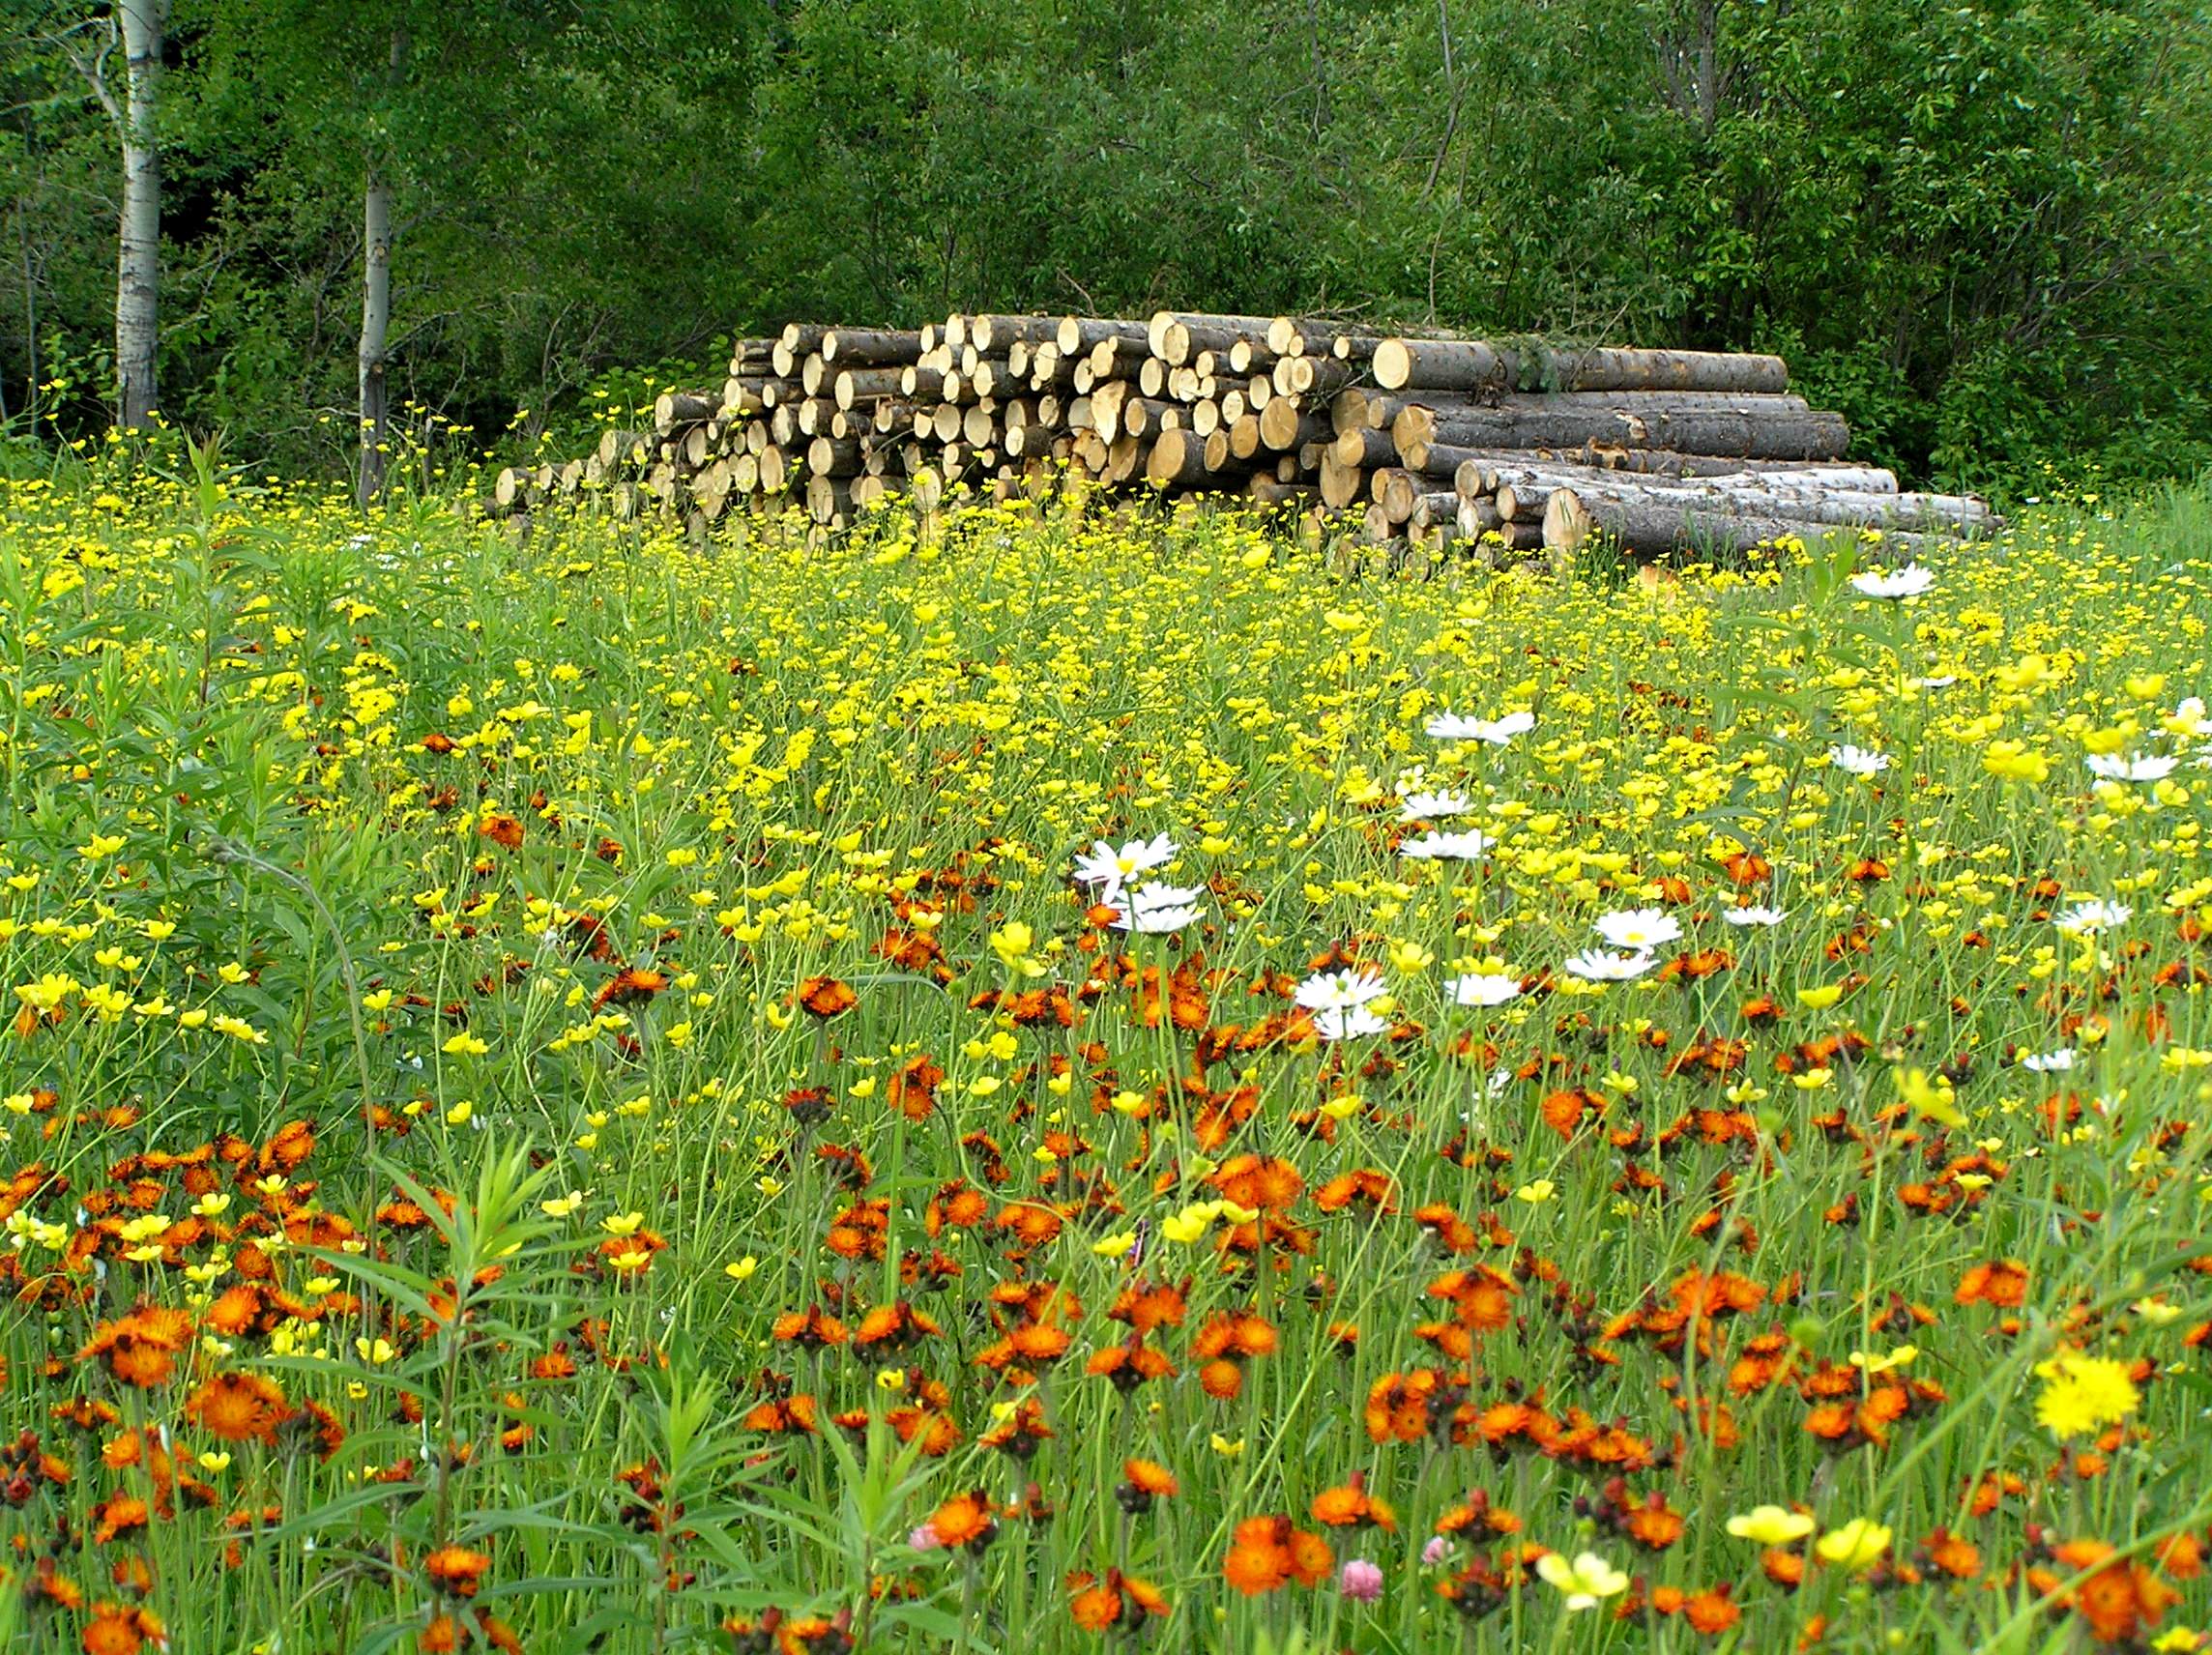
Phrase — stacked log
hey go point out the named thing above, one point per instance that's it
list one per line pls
(1511, 447)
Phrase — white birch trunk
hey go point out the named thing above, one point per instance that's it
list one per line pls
(139, 255)
(375, 328)
(372, 355)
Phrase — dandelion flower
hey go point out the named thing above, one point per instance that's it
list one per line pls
(2082, 1394)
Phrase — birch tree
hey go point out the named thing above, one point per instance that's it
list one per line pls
(138, 28)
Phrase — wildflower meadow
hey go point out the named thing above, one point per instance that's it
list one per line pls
(1084, 1077)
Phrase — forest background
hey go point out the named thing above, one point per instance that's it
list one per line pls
(1983, 231)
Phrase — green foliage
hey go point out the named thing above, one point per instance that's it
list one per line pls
(1981, 231)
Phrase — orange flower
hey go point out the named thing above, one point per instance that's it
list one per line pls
(827, 998)
(1121, 1602)
(140, 1348)
(964, 1521)
(1145, 1482)
(912, 1089)
(457, 1570)
(119, 1630)
(239, 1407)
(1267, 1552)
(2002, 1283)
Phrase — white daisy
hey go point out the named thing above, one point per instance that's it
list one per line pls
(1432, 846)
(1105, 866)
(1483, 988)
(2088, 918)
(1751, 915)
(2048, 1062)
(1155, 910)
(1349, 1022)
(1910, 581)
(1595, 964)
(1858, 761)
(1942, 681)
(1638, 930)
(1432, 806)
(1337, 990)
(1497, 732)
(2136, 767)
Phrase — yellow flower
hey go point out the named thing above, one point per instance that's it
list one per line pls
(1932, 1099)
(1584, 1582)
(1222, 1446)
(375, 1352)
(1114, 1246)
(1820, 997)
(622, 1223)
(460, 1113)
(1770, 1525)
(563, 1205)
(1871, 1363)
(464, 1043)
(741, 1269)
(1857, 1546)
(2015, 760)
(1537, 1192)
(1188, 1225)
(2081, 1394)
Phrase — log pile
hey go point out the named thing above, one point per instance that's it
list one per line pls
(1510, 448)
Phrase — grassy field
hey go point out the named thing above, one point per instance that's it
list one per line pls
(1069, 1079)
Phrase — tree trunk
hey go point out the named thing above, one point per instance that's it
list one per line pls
(376, 303)
(375, 329)
(1809, 436)
(1656, 527)
(139, 255)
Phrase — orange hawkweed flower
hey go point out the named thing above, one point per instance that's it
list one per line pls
(1120, 1603)
(1145, 1482)
(912, 1089)
(1266, 1552)
(140, 1348)
(1352, 1506)
(2001, 1283)
(118, 1629)
(239, 1407)
(633, 985)
(457, 1570)
(827, 997)
(964, 1522)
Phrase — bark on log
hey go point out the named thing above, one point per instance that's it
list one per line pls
(1080, 333)
(870, 347)
(1810, 436)
(1536, 367)
(1364, 446)
(1437, 365)
(1658, 528)
(1177, 459)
